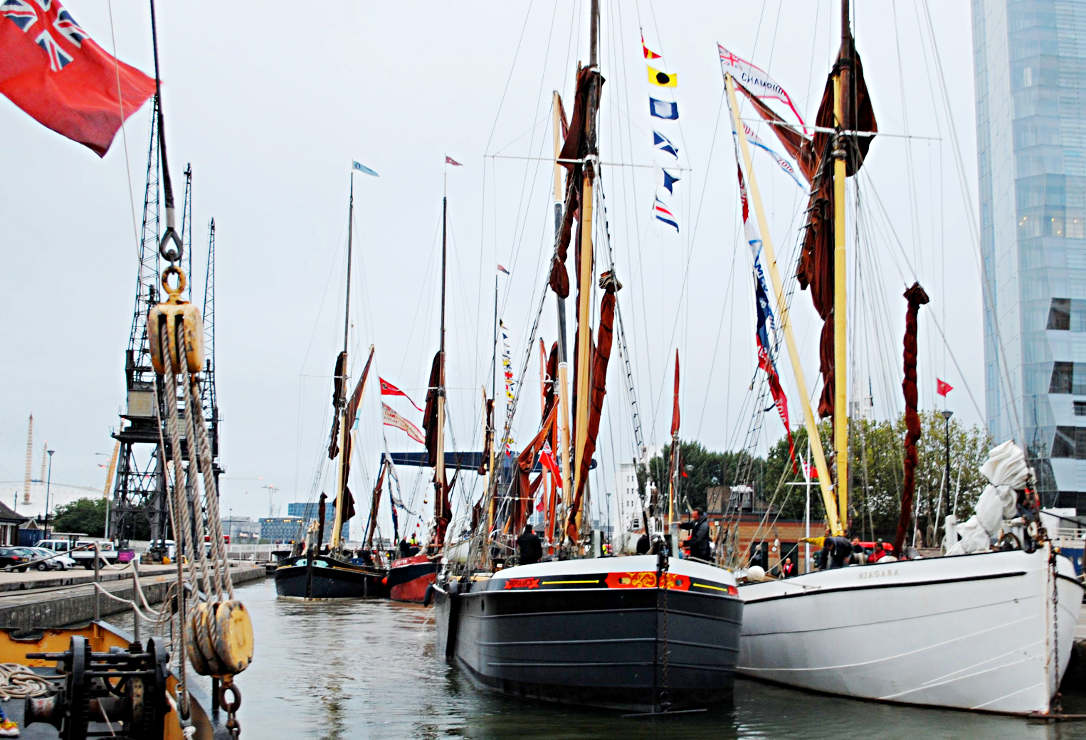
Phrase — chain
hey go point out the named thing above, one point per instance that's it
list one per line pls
(662, 584)
(1057, 699)
(231, 704)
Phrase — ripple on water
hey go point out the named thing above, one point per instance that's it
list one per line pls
(368, 669)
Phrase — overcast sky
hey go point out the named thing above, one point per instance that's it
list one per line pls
(271, 102)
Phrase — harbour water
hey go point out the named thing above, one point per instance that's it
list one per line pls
(367, 669)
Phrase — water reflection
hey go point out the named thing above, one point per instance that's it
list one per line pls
(367, 669)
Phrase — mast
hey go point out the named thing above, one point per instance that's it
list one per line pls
(840, 325)
(439, 463)
(561, 435)
(341, 482)
(584, 282)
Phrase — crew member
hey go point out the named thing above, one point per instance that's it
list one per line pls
(699, 536)
(529, 548)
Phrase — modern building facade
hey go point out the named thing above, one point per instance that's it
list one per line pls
(309, 511)
(1030, 65)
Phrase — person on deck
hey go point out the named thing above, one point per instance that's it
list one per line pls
(643, 544)
(879, 552)
(699, 536)
(529, 548)
(788, 568)
(405, 549)
(836, 552)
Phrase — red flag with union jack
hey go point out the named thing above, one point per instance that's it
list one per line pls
(387, 389)
(55, 72)
(546, 459)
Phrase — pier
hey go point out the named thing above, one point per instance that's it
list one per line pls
(33, 600)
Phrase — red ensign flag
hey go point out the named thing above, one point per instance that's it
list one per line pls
(55, 72)
(942, 387)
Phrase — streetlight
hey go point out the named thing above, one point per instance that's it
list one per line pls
(946, 414)
(48, 485)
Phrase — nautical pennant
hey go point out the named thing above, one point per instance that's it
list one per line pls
(665, 215)
(755, 79)
(665, 109)
(391, 419)
(662, 79)
(453, 162)
(664, 144)
(783, 163)
(388, 389)
(649, 54)
(669, 181)
(363, 169)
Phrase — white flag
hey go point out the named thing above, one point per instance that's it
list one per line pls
(755, 79)
(783, 163)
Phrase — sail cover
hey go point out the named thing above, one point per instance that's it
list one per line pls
(916, 298)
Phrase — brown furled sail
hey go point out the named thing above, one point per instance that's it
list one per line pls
(429, 414)
(375, 503)
(488, 433)
(815, 159)
(602, 355)
(443, 507)
(577, 144)
(916, 298)
(348, 419)
(339, 384)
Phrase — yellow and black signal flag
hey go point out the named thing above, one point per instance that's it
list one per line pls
(662, 79)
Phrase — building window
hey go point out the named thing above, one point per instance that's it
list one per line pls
(1062, 375)
(1070, 442)
(1059, 315)
(1080, 408)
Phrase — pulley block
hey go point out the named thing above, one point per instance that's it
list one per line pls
(173, 312)
(223, 638)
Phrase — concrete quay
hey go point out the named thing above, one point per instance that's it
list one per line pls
(33, 600)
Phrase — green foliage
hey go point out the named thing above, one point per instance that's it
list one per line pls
(87, 515)
(876, 459)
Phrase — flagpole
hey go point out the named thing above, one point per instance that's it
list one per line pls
(782, 311)
(341, 483)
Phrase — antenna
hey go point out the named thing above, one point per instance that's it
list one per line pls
(29, 458)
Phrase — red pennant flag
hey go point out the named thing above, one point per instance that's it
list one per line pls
(55, 72)
(942, 387)
(387, 389)
(453, 162)
(649, 54)
(546, 459)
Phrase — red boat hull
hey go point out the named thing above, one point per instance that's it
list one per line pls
(410, 578)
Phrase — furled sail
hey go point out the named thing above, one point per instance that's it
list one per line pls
(338, 389)
(916, 298)
(348, 420)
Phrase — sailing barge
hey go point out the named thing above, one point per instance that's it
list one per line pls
(641, 633)
(989, 626)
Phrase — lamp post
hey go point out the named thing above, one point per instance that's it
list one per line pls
(946, 414)
(48, 486)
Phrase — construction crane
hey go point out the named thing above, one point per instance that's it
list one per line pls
(29, 458)
(140, 486)
(209, 395)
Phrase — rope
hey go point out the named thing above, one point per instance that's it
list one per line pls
(19, 682)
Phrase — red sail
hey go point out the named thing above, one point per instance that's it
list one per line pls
(600, 360)
(917, 298)
(429, 416)
(574, 148)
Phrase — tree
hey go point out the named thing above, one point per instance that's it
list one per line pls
(86, 515)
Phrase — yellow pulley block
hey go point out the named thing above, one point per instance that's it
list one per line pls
(222, 641)
(173, 311)
(234, 636)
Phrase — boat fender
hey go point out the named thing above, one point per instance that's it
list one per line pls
(174, 311)
(428, 595)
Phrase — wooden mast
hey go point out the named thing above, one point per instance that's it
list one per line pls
(439, 463)
(584, 283)
(341, 483)
(561, 434)
(809, 420)
(840, 326)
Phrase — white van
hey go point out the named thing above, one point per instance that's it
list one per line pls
(55, 545)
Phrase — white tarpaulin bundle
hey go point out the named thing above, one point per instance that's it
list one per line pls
(1006, 471)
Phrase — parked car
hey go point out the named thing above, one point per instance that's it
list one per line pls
(14, 558)
(56, 561)
(107, 552)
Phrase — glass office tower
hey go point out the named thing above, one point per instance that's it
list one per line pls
(1030, 64)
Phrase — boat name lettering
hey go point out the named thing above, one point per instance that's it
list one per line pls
(522, 583)
(889, 573)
